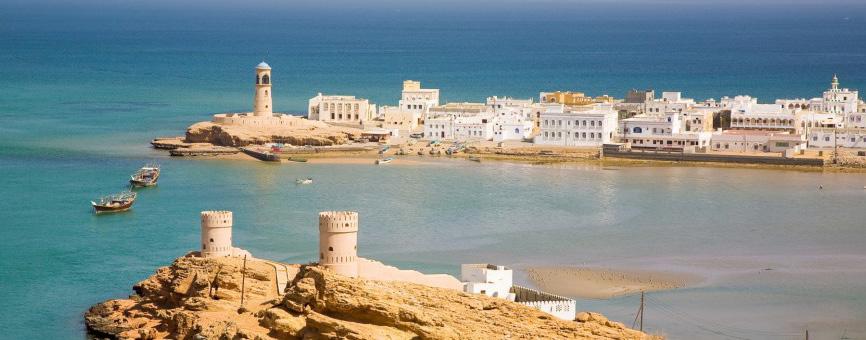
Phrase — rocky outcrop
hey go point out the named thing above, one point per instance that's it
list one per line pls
(197, 298)
(303, 133)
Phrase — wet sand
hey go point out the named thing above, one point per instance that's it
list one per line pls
(601, 283)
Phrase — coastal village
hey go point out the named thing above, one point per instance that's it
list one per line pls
(224, 292)
(825, 130)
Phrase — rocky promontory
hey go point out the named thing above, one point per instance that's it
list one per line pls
(300, 132)
(200, 298)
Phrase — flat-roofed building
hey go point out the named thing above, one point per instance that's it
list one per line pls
(341, 109)
(562, 126)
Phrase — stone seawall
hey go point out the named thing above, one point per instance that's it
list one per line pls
(698, 157)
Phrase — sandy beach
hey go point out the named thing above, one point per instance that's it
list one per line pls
(602, 283)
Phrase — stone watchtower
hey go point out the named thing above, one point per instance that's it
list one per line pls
(216, 233)
(338, 242)
(263, 105)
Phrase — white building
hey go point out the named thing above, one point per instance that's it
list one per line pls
(478, 127)
(416, 99)
(839, 100)
(513, 118)
(669, 102)
(836, 137)
(439, 127)
(660, 132)
(487, 279)
(563, 126)
(747, 114)
(835, 100)
(756, 141)
(496, 281)
(459, 121)
(341, 109)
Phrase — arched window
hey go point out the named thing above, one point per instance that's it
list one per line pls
(266, 79)
(258, 80)
(330, 248)
(321, 256)
(266, 93)
(637, 130)
(211, 240)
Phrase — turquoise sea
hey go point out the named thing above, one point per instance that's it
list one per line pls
(84, 88)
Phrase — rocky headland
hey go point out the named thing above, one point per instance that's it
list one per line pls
(300, 131)
(200, 298)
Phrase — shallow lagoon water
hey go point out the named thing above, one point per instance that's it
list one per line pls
(80, 98)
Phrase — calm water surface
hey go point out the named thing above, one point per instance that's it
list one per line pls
(80, 98)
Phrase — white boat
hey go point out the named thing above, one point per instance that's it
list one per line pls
(384, 160)
(308, 180)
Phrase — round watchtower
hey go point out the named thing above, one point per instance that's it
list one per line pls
(263, 105)
(338, 242)
(216, 233)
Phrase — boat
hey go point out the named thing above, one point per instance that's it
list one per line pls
(297, 159)
(147, 176)
(261, 155)
(308, 180)
(475, 158)
(114, 203)
(384, 149)
(385, 160)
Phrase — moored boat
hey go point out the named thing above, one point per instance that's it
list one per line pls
(147, 176)
(475, 158)
(385, 160)
(114, 203)
(308, 180)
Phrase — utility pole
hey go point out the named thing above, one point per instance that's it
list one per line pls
(639, 315)
(243, 281)
(641, 310)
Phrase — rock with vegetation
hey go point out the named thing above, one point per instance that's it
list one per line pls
(198, 298)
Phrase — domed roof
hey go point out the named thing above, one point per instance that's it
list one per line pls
(264, 65)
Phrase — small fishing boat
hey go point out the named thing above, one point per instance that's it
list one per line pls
(475, 158)
(385, 160)
(114, 203)
(384, 149)
(308, 180)
(297, 159)
(147, 176)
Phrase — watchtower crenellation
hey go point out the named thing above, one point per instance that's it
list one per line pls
(338, 242)
(216, 233)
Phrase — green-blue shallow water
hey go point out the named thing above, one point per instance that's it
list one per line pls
(81, 95)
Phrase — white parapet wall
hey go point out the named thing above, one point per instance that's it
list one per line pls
(558, 306)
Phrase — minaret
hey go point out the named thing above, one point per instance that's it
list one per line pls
(338, 242)
(834, 85)
(263, 106)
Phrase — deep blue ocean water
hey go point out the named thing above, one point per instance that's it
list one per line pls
(83, 89)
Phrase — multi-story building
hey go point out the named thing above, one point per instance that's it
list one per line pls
(563, 126)
(416, 99)
(660, 132)
(478, 127)
(513, 118)
(497, 281)
(668, 103)
(341, 109)
(747, 114)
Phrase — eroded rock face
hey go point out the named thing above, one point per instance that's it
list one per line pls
(181, 302)
(305, 133)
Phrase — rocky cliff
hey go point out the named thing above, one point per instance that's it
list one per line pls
(197, 298)
(305, 133)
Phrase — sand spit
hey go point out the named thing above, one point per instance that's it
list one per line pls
(601, 283)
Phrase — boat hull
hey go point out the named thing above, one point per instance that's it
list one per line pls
(100, 209)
